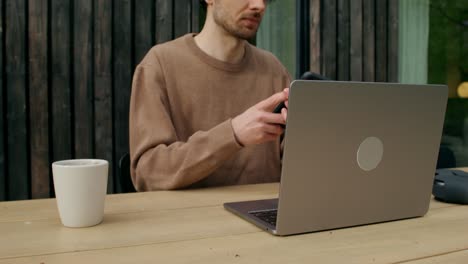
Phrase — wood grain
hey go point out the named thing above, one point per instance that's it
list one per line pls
(368, 41)
(356, 49)
(343, 40)
(3, 172)
(144, 28)
(195, 23)
(192, 226)
(164, 20)
(381, 40)
(393, 48)
(34, 210)
(329, 40)
(39, 98)
(315, 36)
(83, 79)
(61, 74)
(122, 72)
(182, 17)
(103, 120)
(455, 257)
(18, 182)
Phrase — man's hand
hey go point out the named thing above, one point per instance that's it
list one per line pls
(258, 124)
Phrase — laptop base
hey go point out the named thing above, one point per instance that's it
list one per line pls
(247, 209)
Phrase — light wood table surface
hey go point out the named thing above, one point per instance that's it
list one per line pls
(193, 227)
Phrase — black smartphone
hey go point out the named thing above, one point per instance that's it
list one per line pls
(278, 108)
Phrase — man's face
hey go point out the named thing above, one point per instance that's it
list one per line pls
(240, 18)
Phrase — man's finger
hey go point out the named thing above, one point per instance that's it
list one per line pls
(273, 130)
(284, 113)
(272, 118)
(271, 102)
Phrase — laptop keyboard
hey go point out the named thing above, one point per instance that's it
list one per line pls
(268, 216)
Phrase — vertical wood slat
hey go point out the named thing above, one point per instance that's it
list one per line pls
(393, 48)
(164, 20)
(195, 23)
(182, 19)
(144, 32)
(38, 98)
(302, 44)
(343, 40)
(122, 72)
(3, 189)
(315, 37)
(103, 84)
(368, 45)
(329, 39)
(60, 28)
(381, 40)
(17, 115)
(83, 79)
(356, 40)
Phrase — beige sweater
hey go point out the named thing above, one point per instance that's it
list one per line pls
(180, 117)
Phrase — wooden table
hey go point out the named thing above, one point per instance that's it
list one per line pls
(193, 227)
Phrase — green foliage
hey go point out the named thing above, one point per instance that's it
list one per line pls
(448, 42)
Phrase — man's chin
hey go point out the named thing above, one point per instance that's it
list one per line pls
(246, 34)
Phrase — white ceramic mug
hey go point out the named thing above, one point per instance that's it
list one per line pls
(80, 188)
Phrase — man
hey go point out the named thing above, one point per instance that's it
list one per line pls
(201, 106)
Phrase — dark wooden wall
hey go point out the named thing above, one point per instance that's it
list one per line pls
(354, 39)
(66, 68)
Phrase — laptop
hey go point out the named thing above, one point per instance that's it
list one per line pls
(354, 154)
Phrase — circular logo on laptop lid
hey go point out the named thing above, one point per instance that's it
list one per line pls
(370, 153)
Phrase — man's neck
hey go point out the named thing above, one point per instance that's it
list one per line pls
(219, 44)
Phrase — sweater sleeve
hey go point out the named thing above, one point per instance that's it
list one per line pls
(158, 159)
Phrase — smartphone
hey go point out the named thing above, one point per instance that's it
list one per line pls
(278, 108)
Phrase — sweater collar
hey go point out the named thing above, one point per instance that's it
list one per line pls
(219, 64)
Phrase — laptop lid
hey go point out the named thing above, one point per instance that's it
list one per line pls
(358, 153)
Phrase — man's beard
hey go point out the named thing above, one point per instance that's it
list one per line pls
(223, 20)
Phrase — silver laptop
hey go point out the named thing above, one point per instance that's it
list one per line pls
(354, 154)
